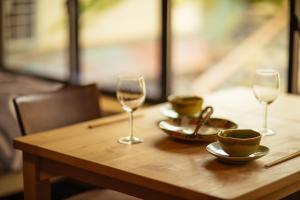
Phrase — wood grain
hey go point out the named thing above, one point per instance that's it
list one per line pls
(37, 188)
(170, 168)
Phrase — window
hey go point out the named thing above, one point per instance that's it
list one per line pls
(214, 44)
(18, 20)
(219, 44)
(120, 37)
(35, 37)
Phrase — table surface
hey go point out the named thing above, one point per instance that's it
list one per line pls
(184, 170)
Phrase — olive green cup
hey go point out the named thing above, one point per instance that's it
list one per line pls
(239, 142)
(186, 105)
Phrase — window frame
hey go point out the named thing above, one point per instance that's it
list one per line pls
(293, 52)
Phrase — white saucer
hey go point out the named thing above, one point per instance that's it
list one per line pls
(216, 150)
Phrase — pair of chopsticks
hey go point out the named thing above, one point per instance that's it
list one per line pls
(113, 120)
(283, 159)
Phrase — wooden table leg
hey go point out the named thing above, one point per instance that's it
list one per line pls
(34, 187)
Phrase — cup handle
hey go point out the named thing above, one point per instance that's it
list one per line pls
(203, 117)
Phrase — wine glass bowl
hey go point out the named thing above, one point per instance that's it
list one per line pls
(266, 87)
(131, 93)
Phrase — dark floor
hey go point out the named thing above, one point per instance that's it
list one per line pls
(60, 190)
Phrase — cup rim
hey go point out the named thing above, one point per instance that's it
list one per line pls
(239, 139)
(172, 97)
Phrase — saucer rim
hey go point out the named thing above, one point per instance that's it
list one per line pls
(201, 138)
(193, 118)
(235, 158)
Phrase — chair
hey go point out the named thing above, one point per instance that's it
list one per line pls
(45, 111)
(70, 105)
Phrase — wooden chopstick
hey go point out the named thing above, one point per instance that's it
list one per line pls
(113, 120)
(284, 158)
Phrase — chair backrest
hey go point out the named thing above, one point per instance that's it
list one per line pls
(45, 111)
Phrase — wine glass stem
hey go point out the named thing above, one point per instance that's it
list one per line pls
(265, 125)
(131, 124)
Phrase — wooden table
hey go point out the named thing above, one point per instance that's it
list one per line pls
(162, 168)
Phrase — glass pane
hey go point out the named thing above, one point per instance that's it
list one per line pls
(219, 44)
(120, 37)
(35, 37)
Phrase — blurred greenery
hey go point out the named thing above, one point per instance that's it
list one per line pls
(86, 6)
(97, 5)
(101, 5)
(213, 2)
(271, 1)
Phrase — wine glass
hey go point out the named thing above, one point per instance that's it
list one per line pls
(266, 85)
(131, 93)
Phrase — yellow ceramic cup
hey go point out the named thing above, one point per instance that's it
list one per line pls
(186, 105)
(239, 142)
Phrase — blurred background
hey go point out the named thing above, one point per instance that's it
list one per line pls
(213, 44)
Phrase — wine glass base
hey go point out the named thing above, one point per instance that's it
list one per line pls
(130, 140)
(267, 132)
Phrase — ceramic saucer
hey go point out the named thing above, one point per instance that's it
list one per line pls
(216, 150)
(183, 129)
